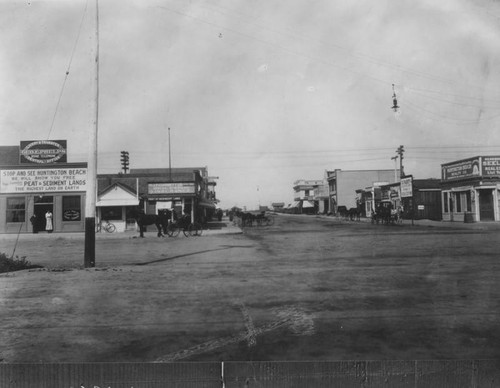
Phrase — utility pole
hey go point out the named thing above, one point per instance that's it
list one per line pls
(125, 161)
(91, 194)
(169, 157)
(395, 158)
(400, 152)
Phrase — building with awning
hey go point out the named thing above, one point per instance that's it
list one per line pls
(184, 190)
(304, 194)
(207, 204)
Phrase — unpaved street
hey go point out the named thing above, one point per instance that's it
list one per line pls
(306, 288)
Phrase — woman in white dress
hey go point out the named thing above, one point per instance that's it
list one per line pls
(48, 223)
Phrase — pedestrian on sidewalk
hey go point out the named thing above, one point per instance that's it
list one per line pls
(48, 222)
(34, 225)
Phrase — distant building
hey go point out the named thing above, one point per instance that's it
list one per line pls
(304, 195)
(278, 206)
(423, 202)
(342, 185)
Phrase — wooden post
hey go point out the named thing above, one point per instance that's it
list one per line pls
(91, 195)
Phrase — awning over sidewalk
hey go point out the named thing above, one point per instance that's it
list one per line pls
(207, 204)
(307, 204)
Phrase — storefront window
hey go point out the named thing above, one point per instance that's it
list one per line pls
(111, 213)
(445, 202)
(16, 209)
(72, 210)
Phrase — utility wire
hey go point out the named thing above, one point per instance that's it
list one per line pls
(347, 51)
(281, 47)
(67, 71)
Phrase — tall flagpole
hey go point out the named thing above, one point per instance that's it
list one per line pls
(91, 195)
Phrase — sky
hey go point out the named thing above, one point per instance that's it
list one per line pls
(261, 92)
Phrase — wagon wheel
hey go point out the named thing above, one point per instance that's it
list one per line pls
(195, 229)
(173, 230)
(270, 221)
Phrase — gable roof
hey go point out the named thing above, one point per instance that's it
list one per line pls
(117, 195)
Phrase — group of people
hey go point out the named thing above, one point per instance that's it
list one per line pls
(49, 227)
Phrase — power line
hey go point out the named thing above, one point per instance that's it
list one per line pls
(348, 51)
(67, 71)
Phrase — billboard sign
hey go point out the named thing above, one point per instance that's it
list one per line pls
(467, 168)
(43, 180)
(490, 166)
(407, 187)
(171, 188)
(42, 152)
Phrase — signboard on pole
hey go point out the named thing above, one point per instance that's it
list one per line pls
(407, 187)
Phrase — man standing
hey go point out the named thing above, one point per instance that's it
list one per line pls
(34, 225)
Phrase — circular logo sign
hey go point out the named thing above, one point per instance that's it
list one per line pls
(43, 151)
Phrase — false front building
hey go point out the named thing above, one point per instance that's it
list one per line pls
(35, 181)
(470, 189)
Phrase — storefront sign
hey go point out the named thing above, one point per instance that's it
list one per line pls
(43, 180)
(171, 188)
(71, 215)
(42, 152)
(407, 187)
(394, 192)
(467, 168)
(490, 166)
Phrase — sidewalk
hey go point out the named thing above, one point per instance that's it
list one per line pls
(210, 229)
(486, 225)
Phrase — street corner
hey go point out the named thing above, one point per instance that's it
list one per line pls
(221, 227)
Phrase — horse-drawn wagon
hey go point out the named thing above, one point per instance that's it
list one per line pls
(385, 213)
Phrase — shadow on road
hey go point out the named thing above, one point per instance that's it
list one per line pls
(224, 247)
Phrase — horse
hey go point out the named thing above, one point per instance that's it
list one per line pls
(160, 220)
(342, 212)
(383, 213)
(246, 218)
(354, 214)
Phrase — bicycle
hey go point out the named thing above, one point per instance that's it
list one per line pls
(106, 225)
(188, 228)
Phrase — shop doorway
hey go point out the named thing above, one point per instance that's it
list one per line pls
(486, 209)
(42, 206)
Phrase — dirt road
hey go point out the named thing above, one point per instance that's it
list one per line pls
(303, 289)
